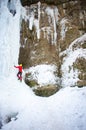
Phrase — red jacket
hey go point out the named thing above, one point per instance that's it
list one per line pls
(19, 67)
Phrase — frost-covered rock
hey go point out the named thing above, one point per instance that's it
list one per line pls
(42, 79)
(51, 35)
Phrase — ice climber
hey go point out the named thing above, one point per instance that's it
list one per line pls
(19, 74)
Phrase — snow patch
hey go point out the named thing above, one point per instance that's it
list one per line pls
(44, 74)
(70, 75)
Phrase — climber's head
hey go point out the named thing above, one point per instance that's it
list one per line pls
(20, 64)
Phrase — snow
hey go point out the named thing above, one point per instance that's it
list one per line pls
(44, 74)
(70, 76)
(20, 109)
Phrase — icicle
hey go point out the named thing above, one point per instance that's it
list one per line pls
(37, 22)
(53, 16)
(38, 29)
(31, 19)
(63, 27)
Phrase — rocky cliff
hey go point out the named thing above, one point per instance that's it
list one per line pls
(56, 2)
(47, 30)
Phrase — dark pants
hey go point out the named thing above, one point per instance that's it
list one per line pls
(19, 75)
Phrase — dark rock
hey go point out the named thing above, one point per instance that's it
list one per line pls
(54, 2)
(13, 12)
(1, 125)
(46, 91)
(81, 83)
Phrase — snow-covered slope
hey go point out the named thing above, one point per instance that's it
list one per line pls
(20, 109)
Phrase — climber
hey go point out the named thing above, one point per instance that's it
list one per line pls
(19, 74)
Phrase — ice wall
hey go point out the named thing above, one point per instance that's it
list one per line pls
(9, 36)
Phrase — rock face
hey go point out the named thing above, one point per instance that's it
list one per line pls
(48, 30)
(71, 8)
(39, 37)
(54, 2)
